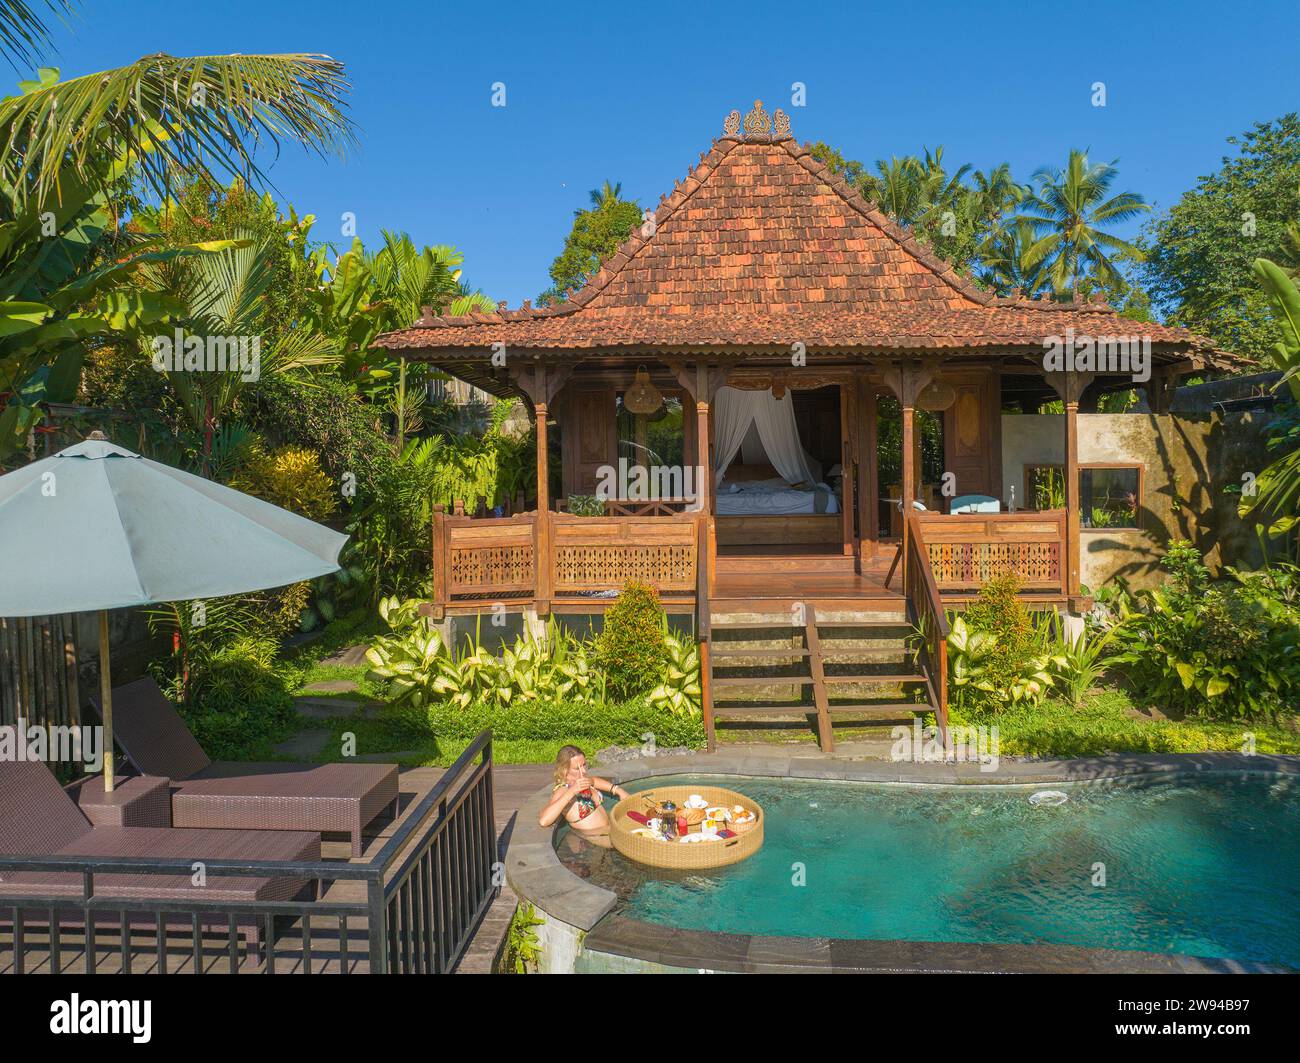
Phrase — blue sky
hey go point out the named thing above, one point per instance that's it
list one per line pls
(634, 93)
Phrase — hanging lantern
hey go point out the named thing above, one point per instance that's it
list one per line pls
(642, 397)
(936, 395)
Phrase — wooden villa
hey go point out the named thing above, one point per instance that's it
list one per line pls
(776, 344)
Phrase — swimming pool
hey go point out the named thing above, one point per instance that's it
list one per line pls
(1203, 866)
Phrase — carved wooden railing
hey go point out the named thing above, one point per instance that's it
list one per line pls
(926, 607)
(602, 553)
(967, 550)
(499, 557)
(493, 557)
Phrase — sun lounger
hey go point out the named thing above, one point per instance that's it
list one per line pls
(275, 796)
(38, 818)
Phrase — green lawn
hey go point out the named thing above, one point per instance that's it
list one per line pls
(1110, 722)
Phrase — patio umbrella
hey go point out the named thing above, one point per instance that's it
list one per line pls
(96, 527)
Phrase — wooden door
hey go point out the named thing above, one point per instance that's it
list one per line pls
(972, 437)
(590, 438)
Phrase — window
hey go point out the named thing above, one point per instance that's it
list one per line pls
(1044, 487)
(1110, 496)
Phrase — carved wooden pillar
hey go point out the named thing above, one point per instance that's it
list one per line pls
(543, 560)
(1071, 386)
(704, 449)
(906, 381)
(849, 462)
(1072, 521)
(541, 386)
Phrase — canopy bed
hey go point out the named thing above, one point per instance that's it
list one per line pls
(763, 471)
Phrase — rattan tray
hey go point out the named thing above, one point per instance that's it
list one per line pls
(684, 855)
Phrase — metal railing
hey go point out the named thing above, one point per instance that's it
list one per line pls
(412, 908)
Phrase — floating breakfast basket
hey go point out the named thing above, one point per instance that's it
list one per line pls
(681, 855)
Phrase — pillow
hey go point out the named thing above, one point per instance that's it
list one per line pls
(737, 473)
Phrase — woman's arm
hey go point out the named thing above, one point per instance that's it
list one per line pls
(555, 807)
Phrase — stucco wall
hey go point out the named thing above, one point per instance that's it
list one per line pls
(1187, 462)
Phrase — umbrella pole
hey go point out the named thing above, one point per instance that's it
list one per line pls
(106, 700)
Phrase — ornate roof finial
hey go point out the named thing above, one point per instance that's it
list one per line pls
(757, 125)
(758, 121)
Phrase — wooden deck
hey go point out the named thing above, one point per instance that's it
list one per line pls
(753, 579)
(512, 783)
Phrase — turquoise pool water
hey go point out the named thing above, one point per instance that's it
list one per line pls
(1206, 866)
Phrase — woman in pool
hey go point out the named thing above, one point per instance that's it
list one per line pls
(577, 797)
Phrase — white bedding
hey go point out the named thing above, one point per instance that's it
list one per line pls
(774, 498)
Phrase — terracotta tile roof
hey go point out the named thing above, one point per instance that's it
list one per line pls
(761, 246)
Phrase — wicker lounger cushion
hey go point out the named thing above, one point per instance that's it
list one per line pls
(171, 843)
(316, 797)
(323, 797)
(38, 818)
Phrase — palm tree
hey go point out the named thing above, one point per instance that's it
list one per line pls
(1005, 265)
(162, 112)
(607, 193)
(995, 194)
(224, 295)
(406, 280)
(24, 32)
(1069, 209)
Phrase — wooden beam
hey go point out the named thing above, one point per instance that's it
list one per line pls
(544, 561)
(1072, 521)
(539, 382)
(703, 447)
(825, 735)
(849, 463)
(869, 488)
(909, 477)
(1160, 391)
(1070, 386)
(441, 589)
(699, 380)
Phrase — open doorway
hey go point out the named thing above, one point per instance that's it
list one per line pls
(927, 438)
(780, 484)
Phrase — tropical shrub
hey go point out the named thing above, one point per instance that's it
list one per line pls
(332, 596)
(199, 632)
(237, 700)
(390, 534)
(1078, 661)
(630, 648)
(590, 724)
(290, 477)
(680, 691)
(997, 654)
(523, 949)
(1220, 650)
(327, 416)
(586, 505)
(421, 670)
(1107, 723)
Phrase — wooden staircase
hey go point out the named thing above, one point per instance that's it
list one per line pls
(855, 665)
